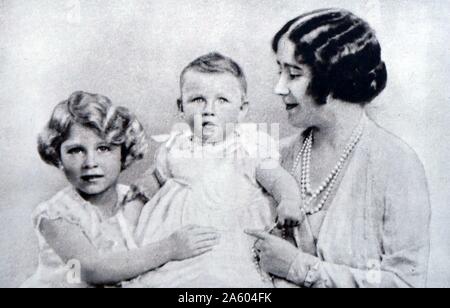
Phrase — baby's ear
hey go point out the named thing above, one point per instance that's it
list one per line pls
(180, 105)
(245, 105)
(244, 110)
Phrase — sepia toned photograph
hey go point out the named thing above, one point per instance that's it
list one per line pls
(224, 144)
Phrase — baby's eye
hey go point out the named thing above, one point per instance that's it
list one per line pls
(75, 151)
(223, 100)
(104, 149)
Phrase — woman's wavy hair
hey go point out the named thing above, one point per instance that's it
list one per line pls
(342, 52)
(116, 125)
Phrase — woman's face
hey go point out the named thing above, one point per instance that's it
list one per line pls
(90, 164)
(292, 87)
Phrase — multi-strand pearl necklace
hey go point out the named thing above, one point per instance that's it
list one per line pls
(304, 156)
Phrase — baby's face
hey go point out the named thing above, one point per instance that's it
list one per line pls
(91, 165)
(211, 101)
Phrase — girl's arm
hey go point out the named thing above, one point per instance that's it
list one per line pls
(70, 243)
(284, 189)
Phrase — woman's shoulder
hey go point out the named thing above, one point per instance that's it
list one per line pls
(388, 149)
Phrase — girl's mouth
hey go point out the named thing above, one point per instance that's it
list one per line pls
(91, 178)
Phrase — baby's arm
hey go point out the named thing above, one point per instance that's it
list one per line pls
(284, 189)
(70, 243)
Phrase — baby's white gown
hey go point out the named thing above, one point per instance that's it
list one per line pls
(212, 186)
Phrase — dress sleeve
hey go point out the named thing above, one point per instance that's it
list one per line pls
(261, 151)
(161, 165)
(405, 239)
(52, 212)
(262, 148)
(62, 208)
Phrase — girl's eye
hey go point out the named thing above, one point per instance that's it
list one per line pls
(198, 100)
(223, 100)
(104, 149)
(75, 151)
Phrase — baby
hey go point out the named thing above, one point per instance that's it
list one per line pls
(215, 173)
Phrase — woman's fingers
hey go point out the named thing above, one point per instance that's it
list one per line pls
(290, 222)
(261, 235)
(189, 227)
(259, 245)
(281, 222)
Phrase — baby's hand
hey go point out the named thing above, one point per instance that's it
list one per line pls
(136, 192)
(289, 214)
(192, 241)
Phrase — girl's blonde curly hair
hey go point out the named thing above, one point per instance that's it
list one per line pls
(117, 125)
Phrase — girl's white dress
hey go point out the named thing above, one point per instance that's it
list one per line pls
(212, 186)
(112, 234)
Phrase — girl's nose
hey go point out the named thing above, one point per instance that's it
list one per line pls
(281, 87)
(91, 161)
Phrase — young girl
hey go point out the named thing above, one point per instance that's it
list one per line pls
(213, 174)
(85, 231)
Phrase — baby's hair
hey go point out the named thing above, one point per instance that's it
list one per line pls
(117, 125)
(216, 63)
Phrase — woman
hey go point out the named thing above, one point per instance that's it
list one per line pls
(364, 191)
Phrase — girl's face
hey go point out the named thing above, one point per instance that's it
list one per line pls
(90, 164)
(292, 86)
(210, 102)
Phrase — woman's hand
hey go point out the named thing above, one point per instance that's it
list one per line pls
(192, 241)
(276, 255)
(289, 214)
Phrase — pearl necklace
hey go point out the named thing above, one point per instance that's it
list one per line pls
(307, 194)
(304, 156)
